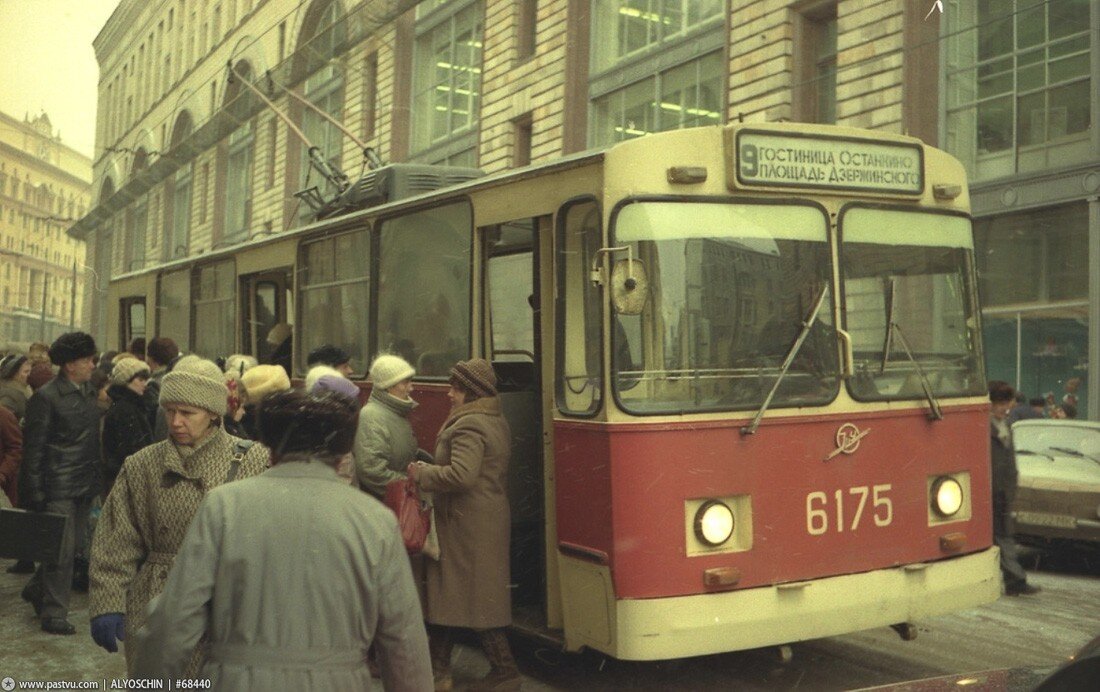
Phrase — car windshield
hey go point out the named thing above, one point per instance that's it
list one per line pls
(728, 289)
(909, 307)
(1059, 439)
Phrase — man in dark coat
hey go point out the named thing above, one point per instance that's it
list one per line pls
(1004, 488)
(61, 460)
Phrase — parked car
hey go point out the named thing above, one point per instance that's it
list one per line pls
(1058, 500)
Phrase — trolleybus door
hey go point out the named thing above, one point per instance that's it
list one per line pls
(267, 302)
(512, 310)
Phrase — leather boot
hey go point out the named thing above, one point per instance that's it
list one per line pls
(503, 673)
(440, 645)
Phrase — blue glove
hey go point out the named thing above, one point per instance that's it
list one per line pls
(106, 629)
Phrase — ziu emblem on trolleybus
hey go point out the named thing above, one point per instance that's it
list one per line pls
(847, 440)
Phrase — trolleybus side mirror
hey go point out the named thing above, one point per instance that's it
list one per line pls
(629, 286)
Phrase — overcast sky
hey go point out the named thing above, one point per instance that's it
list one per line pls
(47, 63)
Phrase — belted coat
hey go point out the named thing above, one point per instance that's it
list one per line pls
(293, 575)
(468, 585)
(147, 514)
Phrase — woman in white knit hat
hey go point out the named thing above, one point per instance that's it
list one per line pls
(155, 496)
(384, 441)
(126, 426)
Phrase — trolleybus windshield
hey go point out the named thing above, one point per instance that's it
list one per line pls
(908, 304)
(728, 287)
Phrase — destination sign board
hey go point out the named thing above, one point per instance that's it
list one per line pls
(837, 163)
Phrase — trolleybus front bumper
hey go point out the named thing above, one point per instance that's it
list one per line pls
(661, 628)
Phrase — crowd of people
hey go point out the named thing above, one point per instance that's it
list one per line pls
(174, 474)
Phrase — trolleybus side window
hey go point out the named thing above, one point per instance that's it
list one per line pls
(424, 262)
(909, 306)
(334, 286)
(579, 383)
(174, 307)
(727, 289)
(510, 287)
(215, 309)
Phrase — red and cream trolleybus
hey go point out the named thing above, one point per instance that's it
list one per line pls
(742, 367)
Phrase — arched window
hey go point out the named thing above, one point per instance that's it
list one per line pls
(322, 35)
(177, 207)
(238, 171)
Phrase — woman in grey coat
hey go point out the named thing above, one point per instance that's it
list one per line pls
(293, 574)
(384, 441)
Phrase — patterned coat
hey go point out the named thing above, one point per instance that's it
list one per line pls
(468, 585)
(146, 516)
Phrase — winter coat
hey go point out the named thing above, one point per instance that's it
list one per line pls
(11, 455)
(384, 441)
(125, 430)
(146, 515)
(13, 396)
(291, 594)
(468, 585)
(1004, 479)
(61, 443)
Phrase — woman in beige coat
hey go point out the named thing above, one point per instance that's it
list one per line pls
(468, 586)
(155, 496)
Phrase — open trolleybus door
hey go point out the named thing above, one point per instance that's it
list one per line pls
(512, 332)
(267, 303)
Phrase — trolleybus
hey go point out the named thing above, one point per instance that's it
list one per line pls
(742, 366)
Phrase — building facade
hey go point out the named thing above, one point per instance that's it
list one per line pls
(45, 186)
(189, 158)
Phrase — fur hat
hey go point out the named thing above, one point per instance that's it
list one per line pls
(476, 375)
(10, 365)
(196, 382)
(327, 355)
(72, 346)
(293, 422)
(335, 383)
(125, 370)
(262, 380)
(387, 370)
(237, 364)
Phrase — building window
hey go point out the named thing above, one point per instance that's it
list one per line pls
(238, 184)
(669, 55)
(370, 94)
(179, 232)
(526, 23)
(1018, 88)
(447, 83)
(815, 65)
(688, 95)
(626, 29)
(139, 220)
(521, 152)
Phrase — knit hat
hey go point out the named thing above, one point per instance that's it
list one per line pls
(335, 383)
(238, 363)
(476, 375)
(41, 373)
(125, 370)
(10, 365)
(387, 370)
(317, 372)
(72, 346)
(327, 355)
(262, 380)
(196, 382)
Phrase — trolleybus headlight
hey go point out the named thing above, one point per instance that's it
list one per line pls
(713, 523)
(947, 496)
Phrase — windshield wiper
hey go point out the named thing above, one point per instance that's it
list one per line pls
(1074, 453)
(807, 324)
(926, 385)
(1029, 453)
(888, 345)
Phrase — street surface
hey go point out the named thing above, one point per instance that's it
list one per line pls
(1038, 631)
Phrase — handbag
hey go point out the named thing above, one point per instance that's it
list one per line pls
(414, 516)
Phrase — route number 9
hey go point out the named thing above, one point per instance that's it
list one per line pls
(847, 516)
(749, 160)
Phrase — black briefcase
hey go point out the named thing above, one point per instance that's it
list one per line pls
(34, 536)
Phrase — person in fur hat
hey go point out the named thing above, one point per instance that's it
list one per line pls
(61, 470)
(155, 496)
